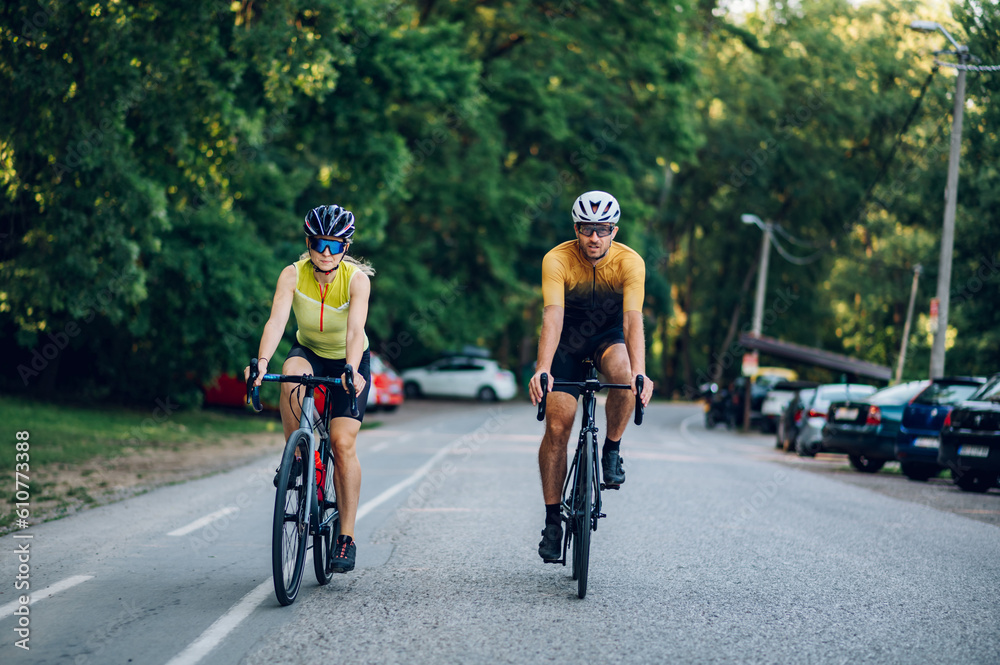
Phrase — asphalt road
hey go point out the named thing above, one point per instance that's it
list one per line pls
(717, 549)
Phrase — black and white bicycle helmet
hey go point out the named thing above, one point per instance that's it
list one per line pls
(332, 221)
(596, 207)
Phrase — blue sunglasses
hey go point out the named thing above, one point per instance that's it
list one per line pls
(321, 245)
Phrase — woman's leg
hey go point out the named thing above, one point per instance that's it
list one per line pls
(347, 470)
(291, 406)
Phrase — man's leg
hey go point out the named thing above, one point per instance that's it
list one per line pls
(560, 409)
(614, 365)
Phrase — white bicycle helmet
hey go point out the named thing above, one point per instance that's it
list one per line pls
(596, 207)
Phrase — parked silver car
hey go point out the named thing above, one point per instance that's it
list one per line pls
(810, 435)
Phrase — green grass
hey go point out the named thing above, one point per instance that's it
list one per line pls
(72, 434)
(62, 436)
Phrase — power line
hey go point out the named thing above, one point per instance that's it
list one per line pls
(968, 68)
(792, 239)
(797, 260)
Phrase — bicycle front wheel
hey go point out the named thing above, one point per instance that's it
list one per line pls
(290, 526)
(329, 520)
(583, 503)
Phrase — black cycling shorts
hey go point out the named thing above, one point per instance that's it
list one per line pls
(341, 407)
(567, 364)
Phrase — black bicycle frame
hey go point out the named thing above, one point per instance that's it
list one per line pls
(588, 389)
(588, 424)
(306, 422)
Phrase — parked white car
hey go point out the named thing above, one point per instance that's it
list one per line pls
(460, 376)
(774, 405)
(777, 401)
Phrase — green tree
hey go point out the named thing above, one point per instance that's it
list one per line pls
(803, 109)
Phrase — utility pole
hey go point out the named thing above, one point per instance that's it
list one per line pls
(917, 270)
(758, 306)
(951, 198)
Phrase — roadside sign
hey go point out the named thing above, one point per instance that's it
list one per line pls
(934, 314)
(750, 363)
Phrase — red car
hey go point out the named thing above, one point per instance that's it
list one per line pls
(388, 385)
(386, 394)
(231, 390)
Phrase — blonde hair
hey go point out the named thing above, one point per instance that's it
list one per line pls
(360, 262)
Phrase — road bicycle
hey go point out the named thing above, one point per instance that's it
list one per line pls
(305, 503)
(581, 496)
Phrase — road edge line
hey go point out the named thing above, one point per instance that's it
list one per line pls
(204, 521)
(47, 592)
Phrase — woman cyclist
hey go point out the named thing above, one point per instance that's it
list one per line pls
(328, 291)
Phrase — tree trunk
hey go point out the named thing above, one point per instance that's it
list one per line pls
(734, 320)
(686, 306)
(669, 378)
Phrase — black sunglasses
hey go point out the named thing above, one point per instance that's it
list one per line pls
(602, 230)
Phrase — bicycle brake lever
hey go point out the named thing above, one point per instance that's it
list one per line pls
(253, 392)
(545, 391)
(639, 408)
(351, 395)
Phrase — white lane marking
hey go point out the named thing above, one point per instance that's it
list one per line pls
(228, 622)
(385, 444)
(684, 429)
(225, 624)
(47, 592)
(204, 521)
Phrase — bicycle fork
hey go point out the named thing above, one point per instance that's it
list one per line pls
(570, 509)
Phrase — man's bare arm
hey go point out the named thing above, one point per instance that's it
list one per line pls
(635, 344)
(552, 323)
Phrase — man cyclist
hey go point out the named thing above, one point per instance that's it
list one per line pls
(593, 291)
(328, 291)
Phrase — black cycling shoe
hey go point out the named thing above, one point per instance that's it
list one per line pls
(296, 472)
(550, 549)
(611, 466)
(344, 553)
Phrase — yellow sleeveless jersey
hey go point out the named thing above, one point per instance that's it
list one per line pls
(321, 310)
(598, 295)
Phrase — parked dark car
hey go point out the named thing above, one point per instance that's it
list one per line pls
(791, 414)
(919, 432)
(970, 439)
(866, 429)
(810, 428)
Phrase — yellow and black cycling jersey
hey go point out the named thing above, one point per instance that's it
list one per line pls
(598, 295)
(321, 310)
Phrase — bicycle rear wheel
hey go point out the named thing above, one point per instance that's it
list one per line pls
(326, 536)
(290, 525)
(583, 495)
